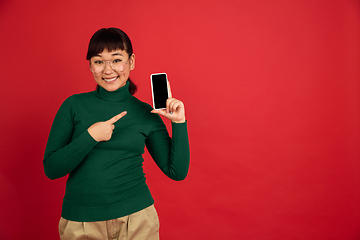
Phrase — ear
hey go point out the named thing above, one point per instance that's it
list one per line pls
(132, 62)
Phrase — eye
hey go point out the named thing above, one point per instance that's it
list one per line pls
(98, 62)
(117, 61)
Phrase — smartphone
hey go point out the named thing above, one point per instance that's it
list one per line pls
(159, 88)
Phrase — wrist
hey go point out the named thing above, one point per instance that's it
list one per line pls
(91, 134)
(181, 121)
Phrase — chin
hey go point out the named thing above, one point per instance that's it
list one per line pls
(112, 87)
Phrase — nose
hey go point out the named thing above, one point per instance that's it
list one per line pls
(108, 68)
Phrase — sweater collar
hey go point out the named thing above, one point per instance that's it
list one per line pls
(119, 95)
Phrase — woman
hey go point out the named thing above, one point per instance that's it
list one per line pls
(98, 138)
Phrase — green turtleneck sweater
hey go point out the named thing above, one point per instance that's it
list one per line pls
(106, 179)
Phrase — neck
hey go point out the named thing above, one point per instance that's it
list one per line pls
(119, 95)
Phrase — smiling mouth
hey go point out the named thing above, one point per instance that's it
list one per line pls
(110, 79)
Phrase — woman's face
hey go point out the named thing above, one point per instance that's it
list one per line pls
(111, 70)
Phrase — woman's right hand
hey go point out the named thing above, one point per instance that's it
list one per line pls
(102, 131)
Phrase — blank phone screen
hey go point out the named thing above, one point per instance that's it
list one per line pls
(160, 92)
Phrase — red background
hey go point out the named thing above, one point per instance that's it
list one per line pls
(271, 90)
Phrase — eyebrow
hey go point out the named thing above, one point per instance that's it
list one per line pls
(114, 54)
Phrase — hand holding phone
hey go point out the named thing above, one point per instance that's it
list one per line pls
(163, 102)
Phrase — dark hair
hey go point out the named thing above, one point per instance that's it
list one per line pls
(111, 39)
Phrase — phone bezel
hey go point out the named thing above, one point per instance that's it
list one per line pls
(152, 89)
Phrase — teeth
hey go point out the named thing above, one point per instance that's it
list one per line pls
(109, 80)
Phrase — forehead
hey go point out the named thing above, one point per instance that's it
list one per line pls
(108, 54)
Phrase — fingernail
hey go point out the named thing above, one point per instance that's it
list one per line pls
(170, 112)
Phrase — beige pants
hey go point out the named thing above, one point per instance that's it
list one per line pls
(137, 226)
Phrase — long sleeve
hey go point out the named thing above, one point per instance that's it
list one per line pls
(63, 154)
(172, 155)
(106, 179)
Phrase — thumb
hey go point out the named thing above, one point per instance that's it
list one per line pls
(161, 112)
(117, 117)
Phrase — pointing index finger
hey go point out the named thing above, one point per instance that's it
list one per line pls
(117, 117)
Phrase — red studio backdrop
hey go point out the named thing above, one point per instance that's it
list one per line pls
(271, 90)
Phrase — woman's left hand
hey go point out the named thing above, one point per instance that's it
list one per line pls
(175, 109)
